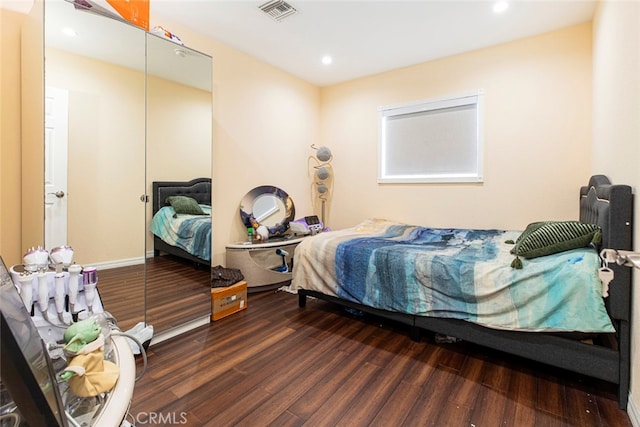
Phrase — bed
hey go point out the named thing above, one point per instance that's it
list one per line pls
(470, 276)
(185, 236)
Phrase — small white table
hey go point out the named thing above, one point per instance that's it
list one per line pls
(260, 262)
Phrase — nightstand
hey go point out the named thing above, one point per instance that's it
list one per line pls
(261, 264)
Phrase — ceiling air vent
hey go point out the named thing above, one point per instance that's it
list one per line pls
(278, 9)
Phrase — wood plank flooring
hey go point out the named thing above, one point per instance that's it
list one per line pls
(280, 365)
(177, 291)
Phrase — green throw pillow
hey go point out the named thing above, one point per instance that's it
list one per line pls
(184, 205)
(550, 237)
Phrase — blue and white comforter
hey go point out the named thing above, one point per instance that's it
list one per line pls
(454, 273)
(189, 232)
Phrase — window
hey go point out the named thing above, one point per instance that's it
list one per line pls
(431, 141)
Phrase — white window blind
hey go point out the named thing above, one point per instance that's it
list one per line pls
(431, 141)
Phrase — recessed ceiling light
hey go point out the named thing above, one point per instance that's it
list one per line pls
(69, 32)
(500, 6)
(326, 60)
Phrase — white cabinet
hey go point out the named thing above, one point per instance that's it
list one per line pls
(262, 263)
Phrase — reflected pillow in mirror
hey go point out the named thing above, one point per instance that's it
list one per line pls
(185, 205)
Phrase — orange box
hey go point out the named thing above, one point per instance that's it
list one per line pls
(228, 300)
(134, 11)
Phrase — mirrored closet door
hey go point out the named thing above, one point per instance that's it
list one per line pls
(98, 66)
(179, 118)
(138, 110)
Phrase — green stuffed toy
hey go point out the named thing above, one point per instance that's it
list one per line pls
(87, 373)
(80, 334)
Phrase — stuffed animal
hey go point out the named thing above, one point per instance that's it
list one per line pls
(80, 334)
(89, 374)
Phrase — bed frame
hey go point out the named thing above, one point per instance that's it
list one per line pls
(199, 189)
(610, 207)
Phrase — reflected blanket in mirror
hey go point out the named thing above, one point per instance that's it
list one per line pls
(189, 232)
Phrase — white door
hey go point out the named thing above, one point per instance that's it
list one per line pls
(56, 111)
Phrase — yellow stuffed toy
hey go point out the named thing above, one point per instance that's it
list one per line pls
(89, 374)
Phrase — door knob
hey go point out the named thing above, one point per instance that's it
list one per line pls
(59, 194)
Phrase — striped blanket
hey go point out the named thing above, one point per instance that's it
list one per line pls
(189, 232)
(454, 273)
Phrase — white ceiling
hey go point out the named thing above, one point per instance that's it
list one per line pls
(367, 37)
(363, 37)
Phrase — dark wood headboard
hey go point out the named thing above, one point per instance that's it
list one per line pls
(198, 188)
(611, 207)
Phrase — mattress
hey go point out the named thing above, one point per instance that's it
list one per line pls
(191, 233)
(454, 273)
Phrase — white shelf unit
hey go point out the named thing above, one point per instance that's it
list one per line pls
(258, 262)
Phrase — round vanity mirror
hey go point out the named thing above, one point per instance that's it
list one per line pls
(269, 206)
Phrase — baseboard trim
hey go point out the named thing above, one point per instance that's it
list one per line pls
(174, 332)
(123, 262)
(117, 263)
(633, 412)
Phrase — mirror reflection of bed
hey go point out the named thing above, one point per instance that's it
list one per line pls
(179, 149)
(181, 227)
(178, 275)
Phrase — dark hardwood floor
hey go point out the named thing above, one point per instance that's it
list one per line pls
(177, 291)
(122, 293)
(277, 364)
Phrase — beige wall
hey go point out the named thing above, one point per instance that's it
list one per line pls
(32, 129)
(105, 155)
(265, 121)
(616, 124)
(10, 136)
(537, 94)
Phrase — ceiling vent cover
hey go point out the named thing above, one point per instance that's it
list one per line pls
(278, 9)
